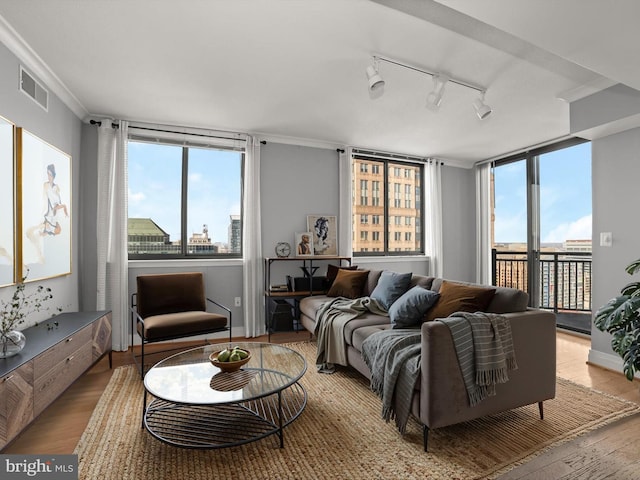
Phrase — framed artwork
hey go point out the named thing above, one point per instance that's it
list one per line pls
(325, 233)
(44, 208)
(7, 203)
(304, 244)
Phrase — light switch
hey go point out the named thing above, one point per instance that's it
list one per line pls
(606, 239)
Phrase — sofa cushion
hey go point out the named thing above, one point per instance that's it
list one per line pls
(310, 305)
(332, 272)
(423, 281)
(390, 287)
(372, 281)
(409, 310)
(508, 300)
(459, 297)
(366, 320)
(360, 334)
(505, 300)
(348, 283)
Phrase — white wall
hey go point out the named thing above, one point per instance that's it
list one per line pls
(61, 128)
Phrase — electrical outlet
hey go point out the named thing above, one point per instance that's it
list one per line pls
(238, 301)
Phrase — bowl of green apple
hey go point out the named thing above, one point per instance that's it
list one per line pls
(230, 359)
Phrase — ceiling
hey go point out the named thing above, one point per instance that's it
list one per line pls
(294, 71)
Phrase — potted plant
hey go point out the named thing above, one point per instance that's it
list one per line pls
(15, 312)
(621, 318)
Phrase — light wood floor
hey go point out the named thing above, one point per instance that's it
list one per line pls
(610, 452)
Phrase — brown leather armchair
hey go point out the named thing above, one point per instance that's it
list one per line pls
(170, 306)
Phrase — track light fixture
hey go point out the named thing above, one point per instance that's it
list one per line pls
(376, 83)
(482, 109)
(434, 98)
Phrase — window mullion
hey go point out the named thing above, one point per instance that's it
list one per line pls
(387, 191)
(183, 214)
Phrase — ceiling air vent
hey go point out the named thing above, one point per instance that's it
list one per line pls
(33, 89)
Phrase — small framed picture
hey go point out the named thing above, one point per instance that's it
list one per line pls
(304, 244)
(325, 234)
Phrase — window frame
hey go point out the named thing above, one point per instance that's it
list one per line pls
(184, 182)
(400, 164)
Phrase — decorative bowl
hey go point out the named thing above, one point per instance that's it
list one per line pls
(228, 366)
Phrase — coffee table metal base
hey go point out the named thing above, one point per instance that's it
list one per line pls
(225, 425)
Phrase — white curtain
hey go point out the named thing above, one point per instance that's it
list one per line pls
(252, 270)
(111, 230)
(483, 224)
(433, 216)
(345, 221)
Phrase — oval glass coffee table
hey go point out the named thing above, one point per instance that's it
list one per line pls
(196, 405)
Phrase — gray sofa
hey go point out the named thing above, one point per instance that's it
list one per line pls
(440, 397)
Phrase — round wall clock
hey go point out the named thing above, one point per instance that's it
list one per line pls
(283, 249)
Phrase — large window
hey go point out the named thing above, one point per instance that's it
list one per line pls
(392, 203)
(541, 229)
(184, 201)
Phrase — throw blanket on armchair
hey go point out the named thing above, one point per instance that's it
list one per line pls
(393, 356)
(331, 319)
(484, 347)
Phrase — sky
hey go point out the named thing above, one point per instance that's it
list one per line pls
(214, 191)
(565, 197)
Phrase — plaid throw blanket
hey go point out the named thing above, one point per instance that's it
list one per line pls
(484, 347)
(393, 356)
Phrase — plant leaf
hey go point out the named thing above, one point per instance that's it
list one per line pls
(633, 267)
(632, 289)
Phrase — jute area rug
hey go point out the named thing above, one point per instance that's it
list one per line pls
(340, 435)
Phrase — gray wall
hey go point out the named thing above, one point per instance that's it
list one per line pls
(616, 169)
(459, 224)
(61, 128)
(88, 192)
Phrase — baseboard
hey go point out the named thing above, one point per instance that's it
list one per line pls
(607, 360)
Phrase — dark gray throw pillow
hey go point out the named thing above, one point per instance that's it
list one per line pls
(410, 308)
(390, 287)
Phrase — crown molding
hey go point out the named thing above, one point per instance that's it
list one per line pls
(32, 61)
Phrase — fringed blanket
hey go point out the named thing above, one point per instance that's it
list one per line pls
(393, 356)
(331, 319)
(484, 347)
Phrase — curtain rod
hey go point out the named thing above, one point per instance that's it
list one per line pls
(160, 130)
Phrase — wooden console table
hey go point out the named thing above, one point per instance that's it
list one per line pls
(57, 352)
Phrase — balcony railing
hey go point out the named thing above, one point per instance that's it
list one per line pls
(565, 278)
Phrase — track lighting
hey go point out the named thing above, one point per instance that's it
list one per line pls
(434, 98)
(376, 83)
(482, 109)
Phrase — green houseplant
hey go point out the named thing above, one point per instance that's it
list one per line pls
(621, 318)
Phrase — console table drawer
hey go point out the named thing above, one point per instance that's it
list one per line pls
(58, 377)
(61, 351)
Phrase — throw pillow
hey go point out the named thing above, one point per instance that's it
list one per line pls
(408, 310)
(457, 297)
(390, 287)
(332, 271)
(348, 283)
